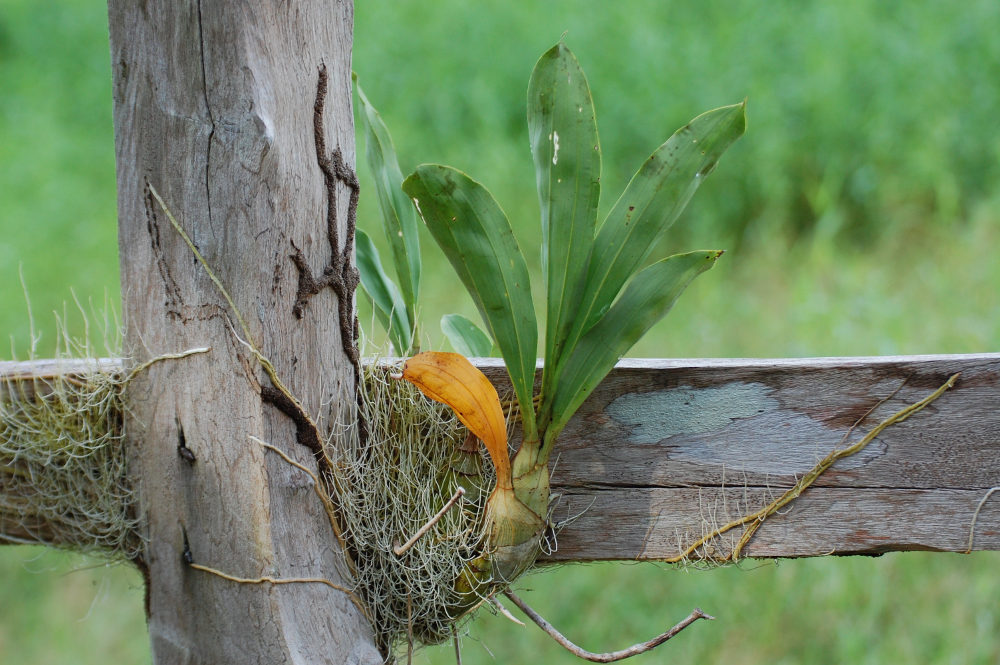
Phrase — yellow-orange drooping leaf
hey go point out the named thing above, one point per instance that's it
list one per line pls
(451, 379)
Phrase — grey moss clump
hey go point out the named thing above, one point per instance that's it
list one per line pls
(63, 479)
(64, 483)
(390, 485)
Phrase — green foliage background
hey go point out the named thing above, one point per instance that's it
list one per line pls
(861, 212)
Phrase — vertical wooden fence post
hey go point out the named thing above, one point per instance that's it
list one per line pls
(214, 107)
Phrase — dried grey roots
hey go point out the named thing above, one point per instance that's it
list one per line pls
(63, 472)
(388, 487)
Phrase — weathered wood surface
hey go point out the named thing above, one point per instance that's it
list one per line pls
(22, 378)
(28, 371)
(214, 107)
(29, 509)
(665, 448)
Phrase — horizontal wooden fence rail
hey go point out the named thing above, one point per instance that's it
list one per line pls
(666, 450)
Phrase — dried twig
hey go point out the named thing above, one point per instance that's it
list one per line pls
(427, 527)
(612, 656)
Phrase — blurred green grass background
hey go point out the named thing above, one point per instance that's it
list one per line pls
(860, 212)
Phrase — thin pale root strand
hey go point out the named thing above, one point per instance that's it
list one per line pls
(264, 361)
(975, 517)
(609, 657)
(265, 579)
(754, 520)
(272, 374)
(166, 356)
(331, 511)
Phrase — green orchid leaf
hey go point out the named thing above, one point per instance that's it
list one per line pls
(384, 294)
(475, 235)
(399, 219)
(562, 131)
(652, 201)
(646, 299)
(466, 337)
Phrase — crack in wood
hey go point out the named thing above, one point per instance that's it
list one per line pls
(588, 489)
(208, 110)
(174, 301)
(175, 306)
(182, 448)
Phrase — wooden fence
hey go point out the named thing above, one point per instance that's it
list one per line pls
(667, 450)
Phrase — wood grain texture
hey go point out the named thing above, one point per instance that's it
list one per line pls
(23, 379)
(213, 106)
(45, 491)
(666, 448)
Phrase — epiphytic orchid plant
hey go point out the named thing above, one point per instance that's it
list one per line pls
(602, 293)
(396, 305)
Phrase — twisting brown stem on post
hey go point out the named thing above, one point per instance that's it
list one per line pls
(611, 656)
(307, 431)
(338, 274)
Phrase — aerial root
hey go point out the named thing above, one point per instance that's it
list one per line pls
(612, 656)
(753, 521)
(266, 579)
(318, 487)
(166, 356)
(504, 611)
(247, 339)
(458, 645)
(975, 517)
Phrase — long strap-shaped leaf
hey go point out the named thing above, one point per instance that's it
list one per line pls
(562, 131)
(651, 203)
(398, 217)
(646, 299)
(386, 298)
(474, 234)
(466, 336)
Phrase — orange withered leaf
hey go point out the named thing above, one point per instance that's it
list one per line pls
(451, 379)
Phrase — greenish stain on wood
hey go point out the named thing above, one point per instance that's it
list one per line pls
(688, 410)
